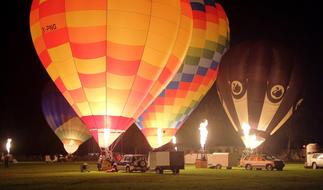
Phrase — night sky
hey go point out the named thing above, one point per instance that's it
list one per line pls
(297, 24)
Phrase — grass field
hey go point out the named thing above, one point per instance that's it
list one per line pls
(60, 176)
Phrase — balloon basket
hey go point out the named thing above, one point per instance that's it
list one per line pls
(201, 160)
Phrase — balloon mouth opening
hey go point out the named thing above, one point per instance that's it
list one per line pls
(71, 145)
(252, 141)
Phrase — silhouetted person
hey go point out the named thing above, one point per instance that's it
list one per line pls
(6, 161)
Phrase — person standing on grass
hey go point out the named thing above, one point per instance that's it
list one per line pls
(6, 161)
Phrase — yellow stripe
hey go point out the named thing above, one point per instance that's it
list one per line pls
(91, 66)
(126, 36)
(35, 31)
(141, 6)
(119, 82)
(84, 108)
(60, 53)
(98, 108)
(198, 38)
(95, 94)
(51, 70)
(86, 18)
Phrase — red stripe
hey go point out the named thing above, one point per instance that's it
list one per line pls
(170, 93)
(211, 9)
(142, 85)
(89, 50)
(184, 85)
(51, 7)
(60, 85)
(165, 76)
(199, 24)
(101, 122)
(56, 38)
(198, 15)
(45, 58)
(122, 67)
(34, 5)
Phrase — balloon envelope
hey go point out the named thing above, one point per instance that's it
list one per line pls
(172, 107)
(63, 120)
(110, 58)
(259, 85)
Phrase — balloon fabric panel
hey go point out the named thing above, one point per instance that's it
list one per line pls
(260, 86)
(110, 58)
(171, 108)
(62, 119)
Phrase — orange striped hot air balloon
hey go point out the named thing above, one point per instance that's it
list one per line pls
(210, 38)
(110, 58)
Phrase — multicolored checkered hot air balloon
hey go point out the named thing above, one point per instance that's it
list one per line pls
(110, 58)
(260, 87)
(169, 111)
(63, 120)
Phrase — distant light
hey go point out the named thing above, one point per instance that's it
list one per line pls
(159, 136)
(8, 145)
(203, 133)
(174, 140)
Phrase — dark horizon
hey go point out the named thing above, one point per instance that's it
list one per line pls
(294, 24)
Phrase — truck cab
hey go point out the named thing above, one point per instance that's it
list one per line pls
(132, 162)
(314, 161)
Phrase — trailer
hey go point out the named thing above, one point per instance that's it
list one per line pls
(220, 160)
(166, 160)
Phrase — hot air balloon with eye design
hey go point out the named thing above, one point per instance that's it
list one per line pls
(260, 87)
(210, 38)
(63, 120)
(110, 58)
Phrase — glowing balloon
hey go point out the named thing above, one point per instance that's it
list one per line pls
(209, 41)
(63, 120)
(259, 85)
(110, 58)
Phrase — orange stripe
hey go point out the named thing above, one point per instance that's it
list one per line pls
(87, 34)
(93, 80)
(77, 95)
(76, 5)
(120, 50)
(186, 8)
(39, 44)
(34, 17)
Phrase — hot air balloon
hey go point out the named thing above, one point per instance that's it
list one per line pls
(210, 38)
(260, 87)
(63, 120)
(110, 58)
